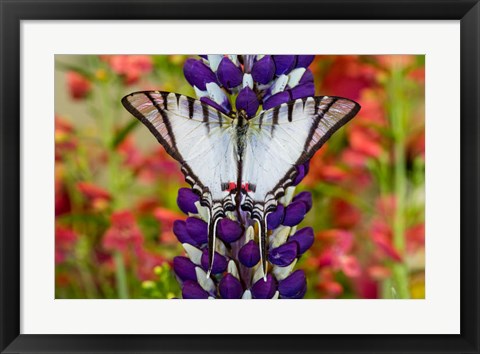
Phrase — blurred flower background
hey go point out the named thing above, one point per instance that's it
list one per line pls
(116, 188)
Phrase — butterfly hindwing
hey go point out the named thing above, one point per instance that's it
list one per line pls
(280, 139)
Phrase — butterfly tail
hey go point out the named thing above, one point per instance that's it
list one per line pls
(262, 226)
(212, 229)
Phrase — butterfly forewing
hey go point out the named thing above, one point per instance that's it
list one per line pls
(284, 137)
(195, 134)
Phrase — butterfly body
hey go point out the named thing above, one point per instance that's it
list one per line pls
(235, 163)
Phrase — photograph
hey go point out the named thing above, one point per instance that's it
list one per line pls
(234, 176)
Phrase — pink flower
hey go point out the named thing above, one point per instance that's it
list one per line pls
(123, 232)
(64, 243)
(78, 85)
(131, 67)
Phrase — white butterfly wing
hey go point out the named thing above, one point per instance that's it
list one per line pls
(280, 139)
(200, 138)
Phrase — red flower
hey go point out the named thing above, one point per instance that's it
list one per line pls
(415, 236)
(344, 214)
(339, 243)
(122, 233)
(64, 242)
(146, 262)
(130, 66)
(64, 137)
(382, 237)
(132, 157)
(78, 85)
(348, 76)
(63, 204)
(97, 196)
(166, 218)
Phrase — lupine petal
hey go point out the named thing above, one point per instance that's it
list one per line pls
(305, 197)
(214, 61)
(300, 174)
(303, 61)
(198, 74)
(295, 76)
(184, 268)
(306, 78)
(279, 84)
(186, 200)
(294, 286)
(219, 262)
(275, 218)
(229, 74)
(218, 95)
(303, 90)
(294, 214)
(264, 289)
(247, 100)
(283, 255)
(192, 290)
(249, 254)
(215, 105)
(197, 229)
(180, 230)
(304, 238)
(284, 63)
(276, 100)
(247, 81)
(248, 61)
(229, 230)
(230, 287)
(263, 70)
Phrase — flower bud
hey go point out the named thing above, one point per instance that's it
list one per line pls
(184, 268)
(249, 254)
(228, 230)
(230, 287)
(304, 238)
(294, 214)
(198, 74)
(192, 290)
(284, 254)
(219, 262)
(264, 289)
(263, 70)
(197, 229)
(186, 200)
(229, 74)
(247, 101)
(294, 286)
(284, 63)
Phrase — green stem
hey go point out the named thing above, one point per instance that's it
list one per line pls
(120, 276)
(398, 121)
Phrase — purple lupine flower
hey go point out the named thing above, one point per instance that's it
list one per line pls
(247, 100)
(284, 63)
(304, 238)
(186, 200)
(249, 254)
(294, 213)
(230, 287)
(229, 74)
(248, 83)
(294, 286)
(198, 74)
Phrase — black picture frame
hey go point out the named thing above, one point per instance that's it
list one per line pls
(14, 11)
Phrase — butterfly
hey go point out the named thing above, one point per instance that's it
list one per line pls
(233, 162)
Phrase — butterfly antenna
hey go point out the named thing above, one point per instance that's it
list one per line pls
(262, 226)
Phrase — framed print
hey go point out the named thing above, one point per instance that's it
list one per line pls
(200, 176)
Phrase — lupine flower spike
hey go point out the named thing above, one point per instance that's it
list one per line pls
(253, 234)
